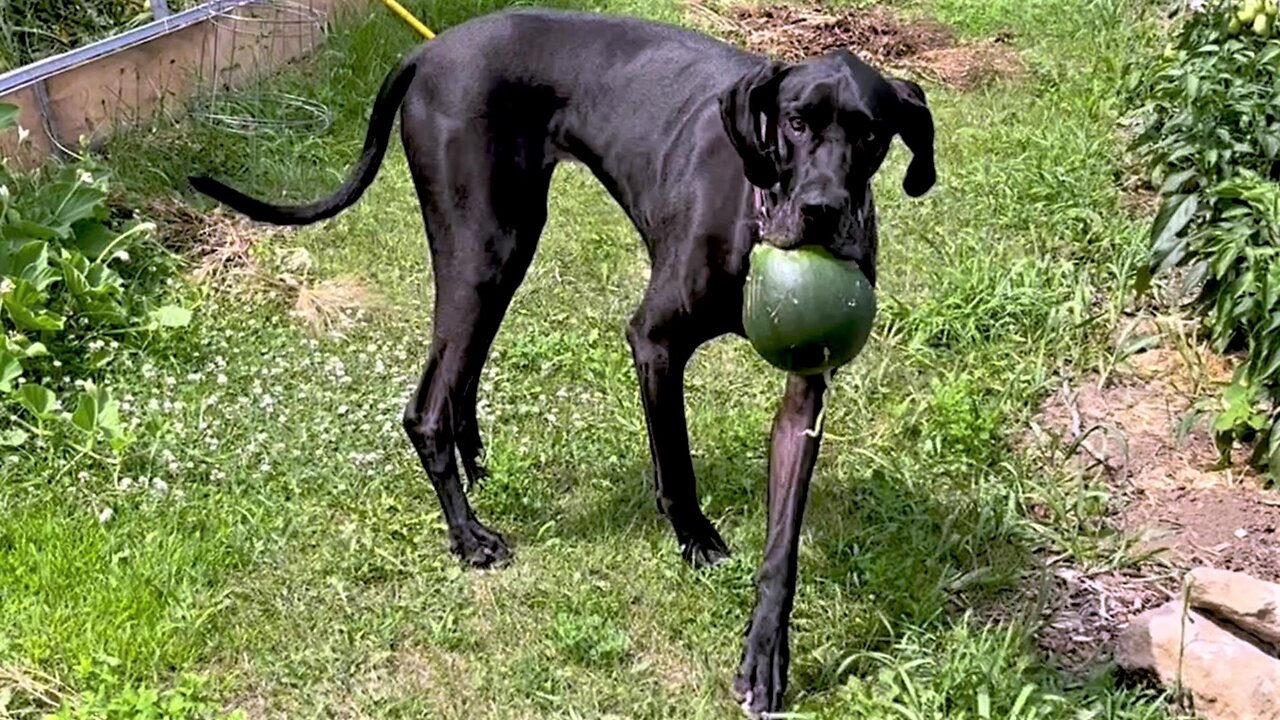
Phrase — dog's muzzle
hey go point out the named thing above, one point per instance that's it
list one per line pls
(848, 235)
(792, 223)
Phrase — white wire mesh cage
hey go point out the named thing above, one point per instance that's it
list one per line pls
(250, 43)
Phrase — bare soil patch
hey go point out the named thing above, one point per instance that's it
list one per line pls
(969, 66)
(1232, 528)
(1173, 497)
(1139, 201)
(795, 31)
(1127, 425)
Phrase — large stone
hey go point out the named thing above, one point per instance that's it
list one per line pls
(1248, 603)
(1227, 677)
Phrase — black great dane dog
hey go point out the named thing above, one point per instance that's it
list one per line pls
(707, 148)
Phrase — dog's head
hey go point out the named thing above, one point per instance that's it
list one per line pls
(812, 135)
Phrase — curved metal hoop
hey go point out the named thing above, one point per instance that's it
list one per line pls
(244, 115)
(255, 32)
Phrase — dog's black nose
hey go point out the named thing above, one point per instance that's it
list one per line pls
(820, 208)
(820, 216)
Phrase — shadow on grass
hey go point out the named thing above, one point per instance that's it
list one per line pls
(898, 546)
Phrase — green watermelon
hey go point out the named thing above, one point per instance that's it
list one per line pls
(804, 310)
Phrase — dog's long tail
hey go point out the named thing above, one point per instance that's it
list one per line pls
(390, 95)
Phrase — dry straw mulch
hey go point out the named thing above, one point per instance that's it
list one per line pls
(795, 31)
(233, 255)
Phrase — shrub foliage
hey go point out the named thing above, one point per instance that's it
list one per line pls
(77, 287)
(34, 29)
(1210, 137)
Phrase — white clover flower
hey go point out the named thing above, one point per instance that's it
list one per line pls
(105, 515)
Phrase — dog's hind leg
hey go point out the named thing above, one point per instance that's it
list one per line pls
(466, 429)
(484, 203)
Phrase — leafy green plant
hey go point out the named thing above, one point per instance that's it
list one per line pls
(589, 639)
(109, 697)
(1210, 136)
(34, 29)
(76, 286)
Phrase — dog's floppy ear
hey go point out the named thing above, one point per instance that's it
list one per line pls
(743, 107)
(915, 127)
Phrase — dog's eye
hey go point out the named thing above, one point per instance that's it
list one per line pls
(796, 124)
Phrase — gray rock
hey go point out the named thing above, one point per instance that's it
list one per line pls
(1226, 677)
(1248, 603)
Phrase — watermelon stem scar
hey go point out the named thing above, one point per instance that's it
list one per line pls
(817, 424)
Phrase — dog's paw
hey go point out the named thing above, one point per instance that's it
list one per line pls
(704, 547)
(478, 546)
(704, 552)
(762, 679)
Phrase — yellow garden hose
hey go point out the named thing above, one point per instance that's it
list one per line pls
(405, 15)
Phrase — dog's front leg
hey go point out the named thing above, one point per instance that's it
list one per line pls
(660, 365)
(793, 449)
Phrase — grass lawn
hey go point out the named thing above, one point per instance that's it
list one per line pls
(276, 536)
